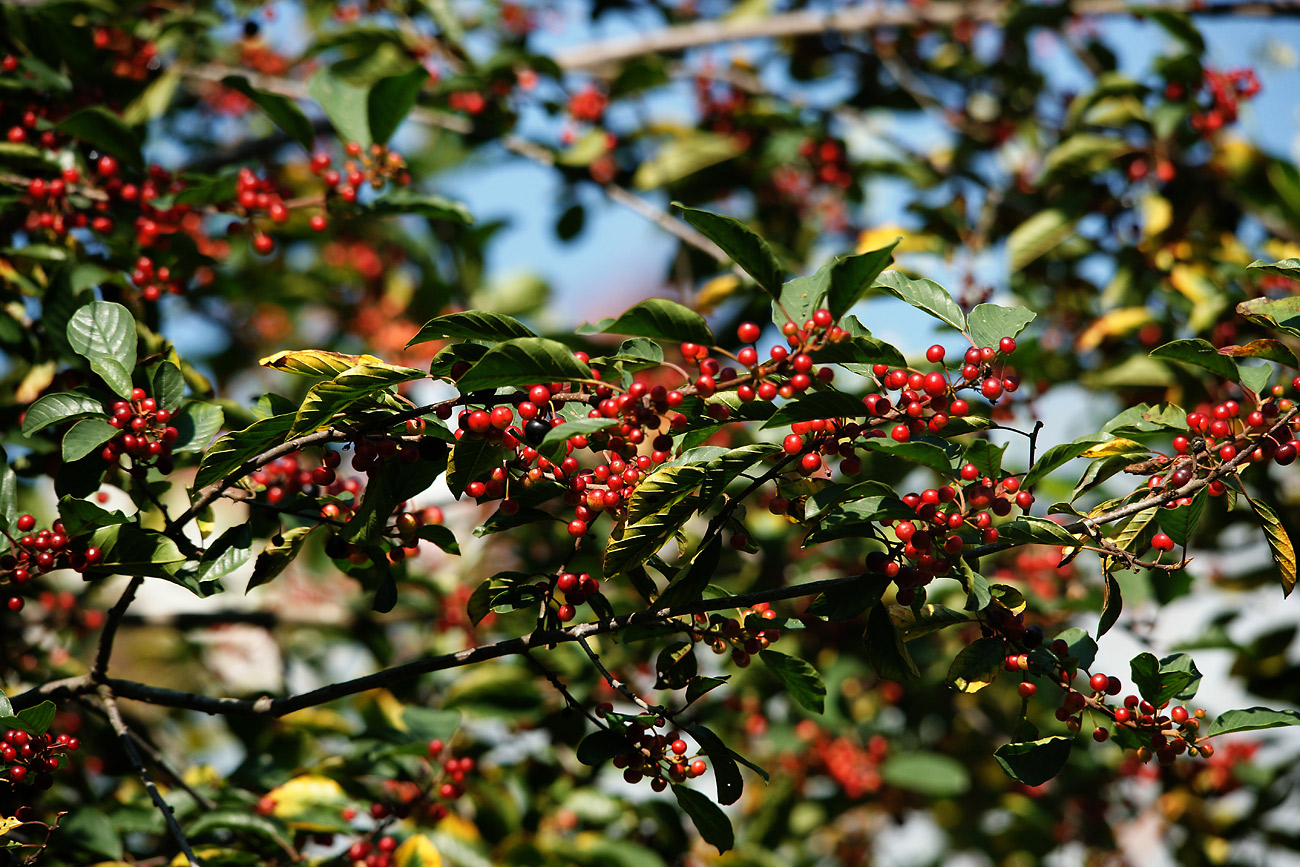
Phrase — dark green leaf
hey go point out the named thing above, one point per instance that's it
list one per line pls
(1281, 313)
(391, 101)
(405, 200)
(346, 104)
(688, 585)
(816, 405)
(852, 276)
(471, 460)
(924, 295)
(661, 319)
(1178, 662)
(801, 680)
(524, 361)
(217, 823)
(885, 648)
(1030, 530)
(105, 131)
(61, 406)
(1200, 353)
(748, 250)
(1112, 603)
(977, 664)
(710, 821)
(282, 111)
(925, 454)
(602, 745)
(167, 385)
(1058, 456)
(103, 333)
(231, 550)
(1252, 719)
(93, 831)
(80, 516)
(230, 452)
(1034, 762)
(472, 325)
(439, 535)
(1081, 646)
(274, 559)
(675, 665)
(701, 685)
(725, 771)
(196, 423)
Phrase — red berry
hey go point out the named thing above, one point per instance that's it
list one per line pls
(1098, 682)
(793, 444)
(263, 244)
(748, 332)
(1007, 345)
(935, 354)
(1027, 689)
(577, 529)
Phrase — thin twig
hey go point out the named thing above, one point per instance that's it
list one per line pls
(113, 619)
(128, 744)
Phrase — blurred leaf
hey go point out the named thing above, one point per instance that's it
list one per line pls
(391, 100)
(930, 774)
(282, 111)
(1036, 236)
(417, 851)
(683, 156)
(93, 831)
(105, 131)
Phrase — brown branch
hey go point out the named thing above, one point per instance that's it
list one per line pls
(128, 744)
(599, 56)
(114, 619)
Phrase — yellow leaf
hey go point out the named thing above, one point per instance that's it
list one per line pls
(716, 291)
(7, 824)
(315, 362)
(1157, 214)
(883, 236)
(202, 775)
(1116, 323)
(417, 851)
(1117, 446)
(304, 795)
(460, 828)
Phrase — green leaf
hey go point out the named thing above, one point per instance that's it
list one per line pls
(726, 773)
(816, 405)
(1029, 530)
(506, 591)
(1058, 456)
(196, 423)
(282, 111)
(672, 482)
(924, 295)
(472, 325)
(167, 385)
(1282, 313)
(391, 100)
(989, 323)
(231, 550)
(1180, 523)
(1081, 646)
(635, 542)
(986, 457)
(658, 318)
(1040, 234)
(131, 550)
(978, 663)
(8, 492)
(105, 131)
(471, 460)
(682, 157)
(326, 399)
(710, 821)
(103, 333)
(80, 516)
(852, 276)
(802, 681)
(702, 685)
(1157, 684)
(59, 407)
(1252, 719)
(34, 720)
(275, 558)
(1200, 353)
(1084, 152)
(923, 453)
(441, 536)
(231, 451)
(885, 648)
(748, 250)
(859, 353)
(931, 774)
(346, 104)
(524, 361)
(850, 601)
(1289, 268)
(689, 584)
(93, 831)
(1034, 762)
(675, 665)
(220, 822)
(602, 745)
(1181, 662)
(1279, 543)
(1112, 603)
(405, 200)
(556, 436)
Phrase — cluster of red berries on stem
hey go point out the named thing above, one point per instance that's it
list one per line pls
(743, 636)
(658, 757)
(147, 434)
(32, 759)
(39, 551)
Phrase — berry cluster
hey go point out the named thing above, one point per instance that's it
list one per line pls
(744, 636)
(32, 759)
(372, 167)
(650, 754)
(39, 551)
(147, 434)
(1223, 91)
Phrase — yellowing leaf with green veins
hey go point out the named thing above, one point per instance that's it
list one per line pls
(417, 851)
(1118, 446)
(315, 362)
